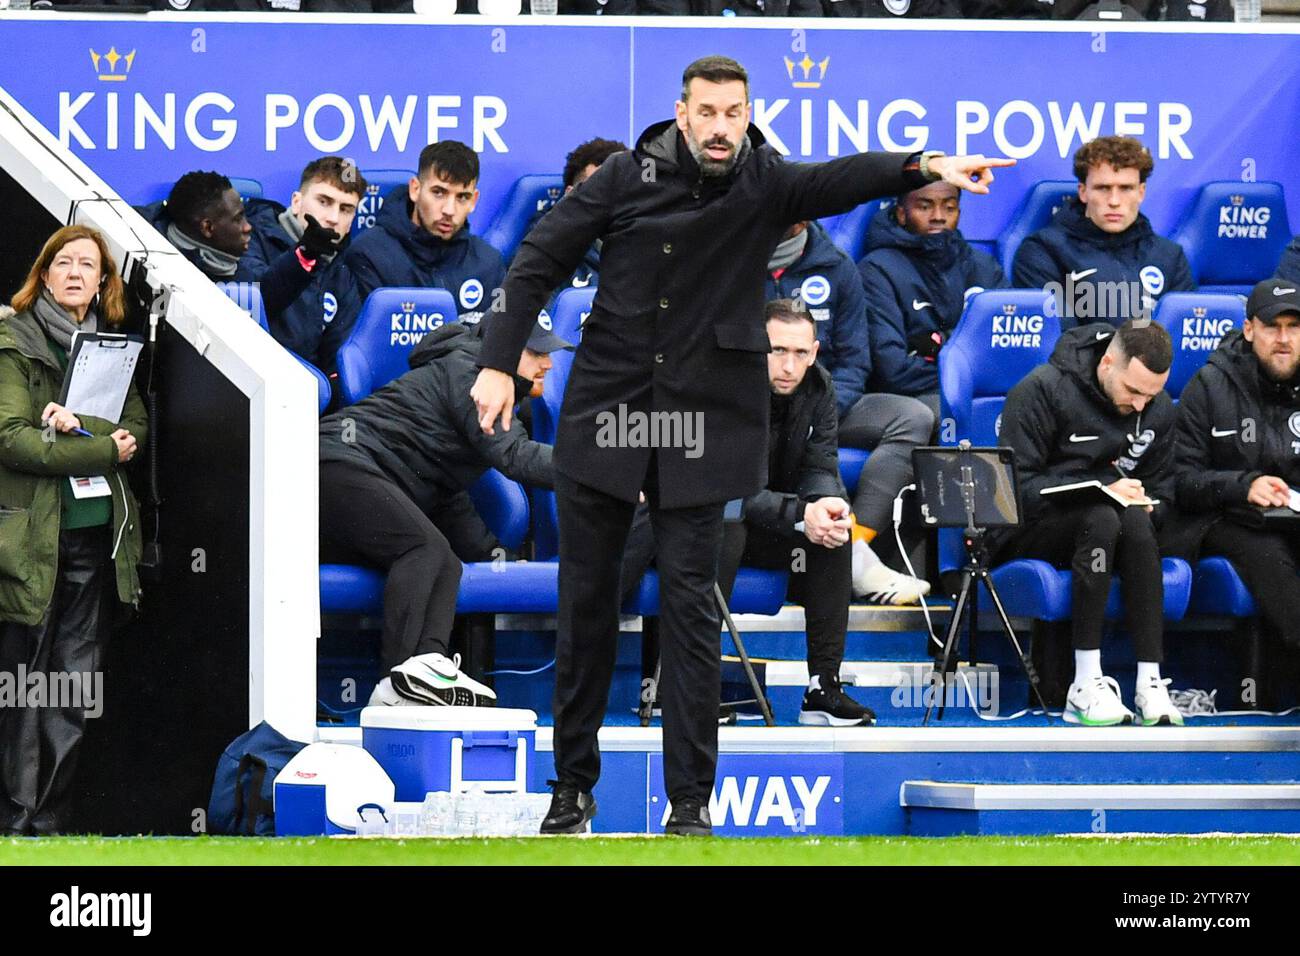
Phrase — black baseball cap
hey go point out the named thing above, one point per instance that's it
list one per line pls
(1271, 298)
(543, 340)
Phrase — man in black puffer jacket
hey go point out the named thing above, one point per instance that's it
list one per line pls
(1098, 411)
(1239, 454)
(398, 458)
(917, 273)
(1100, 257)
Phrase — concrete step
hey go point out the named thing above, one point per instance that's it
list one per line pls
(939, 808)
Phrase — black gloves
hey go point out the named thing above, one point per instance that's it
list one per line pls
(926, 345)
(318, 241)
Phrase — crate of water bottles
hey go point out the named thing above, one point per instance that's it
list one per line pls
(468, 813)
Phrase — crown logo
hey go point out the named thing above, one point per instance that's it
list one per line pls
(112, 58)
(553, 192)
(1009, 310)
(372, 189)
(1237, 200)
(408, 306)
(1200, 311)
(806, 66)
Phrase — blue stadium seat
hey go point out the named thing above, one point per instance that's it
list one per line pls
(1233, 234)
(1036, 211)
(756, 591)
(1001, 337)
(323, 393)
(849, 231)
(248, 296)
(379, 184)
(374, 353)
(568, 310)
(851, 462)
(517, 587)
(247, 188)
(1196, 321)
(529, 195)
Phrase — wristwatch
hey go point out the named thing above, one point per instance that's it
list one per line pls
(924, 165)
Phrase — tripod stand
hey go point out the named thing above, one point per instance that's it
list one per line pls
(974, 572)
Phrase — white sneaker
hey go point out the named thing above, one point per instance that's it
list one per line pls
(1095, 702)
(1154, 706)
(437, 679)
(883, 585)
(384, 696)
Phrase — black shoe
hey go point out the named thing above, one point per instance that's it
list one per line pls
(571, 809)
(690, 817)
(826, 705)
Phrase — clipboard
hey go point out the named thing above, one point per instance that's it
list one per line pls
(101, 366)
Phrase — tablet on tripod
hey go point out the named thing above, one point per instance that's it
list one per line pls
(966, 487)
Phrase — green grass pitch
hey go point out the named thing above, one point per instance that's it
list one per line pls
(1228, 850)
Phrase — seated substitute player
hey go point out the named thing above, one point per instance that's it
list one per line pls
(423, 238)
(296, 254)
(392, 467)
(1288, 267)
(1100, 255)
(1239, 454)
(1098, 411)
(585, 159)
(917, 274)
(800, 522)
(203, 216)
(809, 267)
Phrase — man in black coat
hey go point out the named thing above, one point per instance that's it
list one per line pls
(1097, 411)
(395, 471)
(668, 395)
(1239, 454)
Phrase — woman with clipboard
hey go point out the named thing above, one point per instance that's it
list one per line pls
(69, 527)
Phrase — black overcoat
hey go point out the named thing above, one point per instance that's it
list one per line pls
(676, 338)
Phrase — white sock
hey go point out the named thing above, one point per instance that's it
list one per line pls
(1087, 665)
(863, 558)
(1147, 672)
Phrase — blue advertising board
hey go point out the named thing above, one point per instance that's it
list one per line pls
(144, 100)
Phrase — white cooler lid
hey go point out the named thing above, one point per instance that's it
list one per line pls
(448, 718)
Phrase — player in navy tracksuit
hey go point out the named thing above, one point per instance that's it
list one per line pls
(1100, 256)
(917, 273)
(323, 301)
(422, 238)
(203, 217)
(809, 268)
(1288, 266)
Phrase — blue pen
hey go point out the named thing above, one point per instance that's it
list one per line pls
(82, 432)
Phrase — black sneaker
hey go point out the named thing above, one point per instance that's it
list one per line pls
(571, 809)
(690, 817)
(826, 705)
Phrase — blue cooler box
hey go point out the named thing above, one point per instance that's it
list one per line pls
(438, 749)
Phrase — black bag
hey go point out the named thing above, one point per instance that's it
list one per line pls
(242, 802)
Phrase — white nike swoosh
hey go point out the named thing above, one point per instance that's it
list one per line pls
(918, 306)
(1283, 291)
(1103, 335)
(1222, 434)
(1076, 276)
(1079, 438)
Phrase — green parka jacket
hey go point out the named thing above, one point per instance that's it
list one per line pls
(32, 468)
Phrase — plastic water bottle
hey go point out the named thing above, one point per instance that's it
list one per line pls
(544, 8)
(1247, 11)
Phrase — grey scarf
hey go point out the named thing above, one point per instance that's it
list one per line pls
(57, 324)
(789, 251)
(215, 262)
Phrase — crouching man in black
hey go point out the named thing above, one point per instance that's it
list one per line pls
(395, 470)
(1098, 411)
(1239, 454)
(802, 520)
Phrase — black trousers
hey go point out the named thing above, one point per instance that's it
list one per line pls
(820, 580)
(39, 745)
(1267, 563)
(369, 519)
(593, 533)
(1097, 542)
